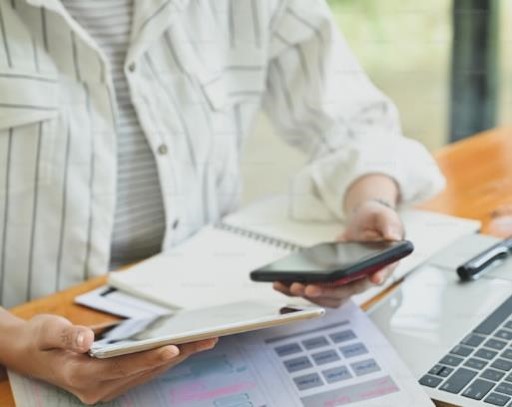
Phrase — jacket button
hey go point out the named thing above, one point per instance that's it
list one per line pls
(132, 67)
(163, 149)
(175, 224)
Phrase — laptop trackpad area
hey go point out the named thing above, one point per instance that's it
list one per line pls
(432, 311)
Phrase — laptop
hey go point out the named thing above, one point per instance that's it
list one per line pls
(477, 371)
(455, 337)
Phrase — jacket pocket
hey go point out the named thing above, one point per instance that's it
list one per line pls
(29, 109)
(240, 78)
(26, 97)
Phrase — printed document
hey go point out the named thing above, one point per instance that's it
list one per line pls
(338, 360)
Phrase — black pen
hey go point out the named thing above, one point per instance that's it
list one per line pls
(481, 262)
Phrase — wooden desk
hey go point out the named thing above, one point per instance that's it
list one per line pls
(479, 173)
(479, 176)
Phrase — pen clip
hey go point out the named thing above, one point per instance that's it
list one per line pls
(487, 259)
(482, 262)
(108, 290)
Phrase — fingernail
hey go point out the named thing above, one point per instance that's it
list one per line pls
(315, 292)
(169, 353)
(209, 345)
(396, 234)
(378, 279)
(80, 339)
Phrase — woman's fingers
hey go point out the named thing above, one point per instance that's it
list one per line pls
(381, 276)
(129, 365)
(377, 278)
(340, 292)
(327, 302)
(110, 389)
(188, 349)
(282, 288)
(117, 377)
(359, 235)
(298, 289)
(373, 221)
(117, 388)
(389, 226)
(53, 332)
(332, 296)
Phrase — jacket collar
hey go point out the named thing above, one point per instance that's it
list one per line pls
(151, 18)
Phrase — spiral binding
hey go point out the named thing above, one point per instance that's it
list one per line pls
(260, 237)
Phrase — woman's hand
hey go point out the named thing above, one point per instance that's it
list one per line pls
(50, 348)
(370, 221)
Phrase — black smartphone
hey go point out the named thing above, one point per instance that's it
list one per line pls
(334, 263)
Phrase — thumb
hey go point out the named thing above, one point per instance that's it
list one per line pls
(55, 332)
(390, 228)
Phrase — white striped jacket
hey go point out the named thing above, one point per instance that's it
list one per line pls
(198, 71)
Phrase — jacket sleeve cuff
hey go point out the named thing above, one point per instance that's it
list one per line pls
(317, 192)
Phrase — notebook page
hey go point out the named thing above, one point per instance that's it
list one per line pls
(271, 217)
(210, 268)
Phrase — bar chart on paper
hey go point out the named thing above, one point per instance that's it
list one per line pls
(217, 379)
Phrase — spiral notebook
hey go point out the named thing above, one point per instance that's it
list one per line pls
(213, 266)
(209, 268)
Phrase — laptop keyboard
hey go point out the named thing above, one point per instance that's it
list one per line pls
(479, 367)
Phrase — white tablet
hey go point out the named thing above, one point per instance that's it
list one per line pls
(135, 335)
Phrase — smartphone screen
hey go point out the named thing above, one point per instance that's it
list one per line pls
(328, 258)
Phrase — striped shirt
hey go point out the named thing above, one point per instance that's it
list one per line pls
(139, 220)
(198, 71)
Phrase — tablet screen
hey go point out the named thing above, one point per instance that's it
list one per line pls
(190, 322)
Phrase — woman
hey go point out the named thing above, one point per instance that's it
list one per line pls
(121, 127)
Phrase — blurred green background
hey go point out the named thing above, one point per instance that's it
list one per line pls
(406, 48)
